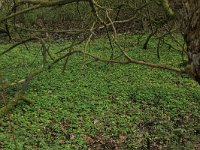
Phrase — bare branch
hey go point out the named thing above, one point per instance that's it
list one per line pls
(17, 44)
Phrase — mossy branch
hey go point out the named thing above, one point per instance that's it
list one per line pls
(17, 44)
(167, 8)
(129, 61)
(18, 96)
(39, 4)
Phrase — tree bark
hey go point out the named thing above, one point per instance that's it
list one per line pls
(191, 32)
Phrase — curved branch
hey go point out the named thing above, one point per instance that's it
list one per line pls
(129, 61)
(39, 4)
(20, 12)
(17, 44)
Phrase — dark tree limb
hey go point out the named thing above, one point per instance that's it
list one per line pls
(17, 44)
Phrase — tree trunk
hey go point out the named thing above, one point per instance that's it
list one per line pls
(192, 35)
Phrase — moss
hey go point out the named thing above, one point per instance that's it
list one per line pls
(167, 8)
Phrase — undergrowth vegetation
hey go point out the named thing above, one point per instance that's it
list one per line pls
(101, 105)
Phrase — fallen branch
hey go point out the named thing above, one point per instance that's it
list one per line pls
(129, 61)
(18, 96)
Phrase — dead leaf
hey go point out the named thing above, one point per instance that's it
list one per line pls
(122, 138)
(96, 121)
(62, 142)
(88, 139)
(72, 137)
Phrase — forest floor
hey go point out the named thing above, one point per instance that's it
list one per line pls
(101, 106)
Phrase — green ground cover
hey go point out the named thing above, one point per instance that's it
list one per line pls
(99, 105)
